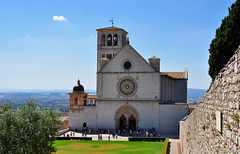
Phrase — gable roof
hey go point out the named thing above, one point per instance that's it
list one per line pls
(112, 28)
(175, 75)
(120, 52)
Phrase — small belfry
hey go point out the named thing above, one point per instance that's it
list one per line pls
(78, 88)
(79, 99)
(132, 93)
(110, 41)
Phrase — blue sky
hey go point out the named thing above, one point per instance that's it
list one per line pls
(37, 52)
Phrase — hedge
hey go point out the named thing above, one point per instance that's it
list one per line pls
(147, 139)
(74, 138)
(165, 146)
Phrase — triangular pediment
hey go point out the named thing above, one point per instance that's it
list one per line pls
(127, 54)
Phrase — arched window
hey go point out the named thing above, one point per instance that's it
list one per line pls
(103, 40)
(84, 124)
(93, 101)
(76, 102)
(109, 40)
(89, 102)
(109, 56)
(115, 40)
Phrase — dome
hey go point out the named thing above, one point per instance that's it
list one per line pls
(154, 58)
(78, 87)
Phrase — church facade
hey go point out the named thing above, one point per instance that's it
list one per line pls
(131, 92)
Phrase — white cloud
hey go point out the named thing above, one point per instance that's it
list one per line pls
(59, 18)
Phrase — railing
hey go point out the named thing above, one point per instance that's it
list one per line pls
(89, 102)
(80, 106)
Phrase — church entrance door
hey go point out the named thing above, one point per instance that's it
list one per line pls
(122, 122)
(132, 123)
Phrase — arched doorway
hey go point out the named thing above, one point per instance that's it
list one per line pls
(132, 123)
(126, 117)
(122, 122)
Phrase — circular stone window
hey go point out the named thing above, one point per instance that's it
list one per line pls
(127, 65)
(127, 86)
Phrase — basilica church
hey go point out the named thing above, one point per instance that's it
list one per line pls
(131, 93)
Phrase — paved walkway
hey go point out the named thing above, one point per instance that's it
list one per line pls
(104, 137)
(174, 146)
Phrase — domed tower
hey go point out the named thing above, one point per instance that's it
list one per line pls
(109, 41)
(77, 97)
(78, 88)
(155, 62)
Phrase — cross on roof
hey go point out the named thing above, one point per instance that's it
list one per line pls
(111, 21)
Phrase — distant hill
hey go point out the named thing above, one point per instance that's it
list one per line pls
(196, 93)
(59, 98)
(192, 93)
(4, 90)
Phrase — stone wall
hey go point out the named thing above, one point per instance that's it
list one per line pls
(213, 127)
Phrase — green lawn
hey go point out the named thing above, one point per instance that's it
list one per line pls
(74, 146)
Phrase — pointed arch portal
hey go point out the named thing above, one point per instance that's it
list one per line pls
(126, 117)
(132, 122)
(122, 122)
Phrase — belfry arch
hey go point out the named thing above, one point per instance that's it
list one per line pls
(126, 117)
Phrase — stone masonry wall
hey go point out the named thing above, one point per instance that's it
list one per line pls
(213, 127)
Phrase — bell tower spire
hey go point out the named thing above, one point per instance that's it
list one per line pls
(109, 41)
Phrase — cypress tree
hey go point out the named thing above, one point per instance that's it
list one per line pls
(226, 41)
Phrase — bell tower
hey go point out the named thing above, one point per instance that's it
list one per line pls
(109, 41)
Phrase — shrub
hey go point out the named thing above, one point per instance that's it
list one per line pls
(147, 139)
(165, 146)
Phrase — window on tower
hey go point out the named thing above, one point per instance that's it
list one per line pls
(109, 40)
(103, 40)
(115, 40)
(76, 102)
(109, 56)
(103, 55)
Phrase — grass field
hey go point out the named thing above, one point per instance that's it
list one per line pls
(72, 147)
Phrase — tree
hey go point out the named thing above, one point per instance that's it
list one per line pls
(27, 129)
(226, 41)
